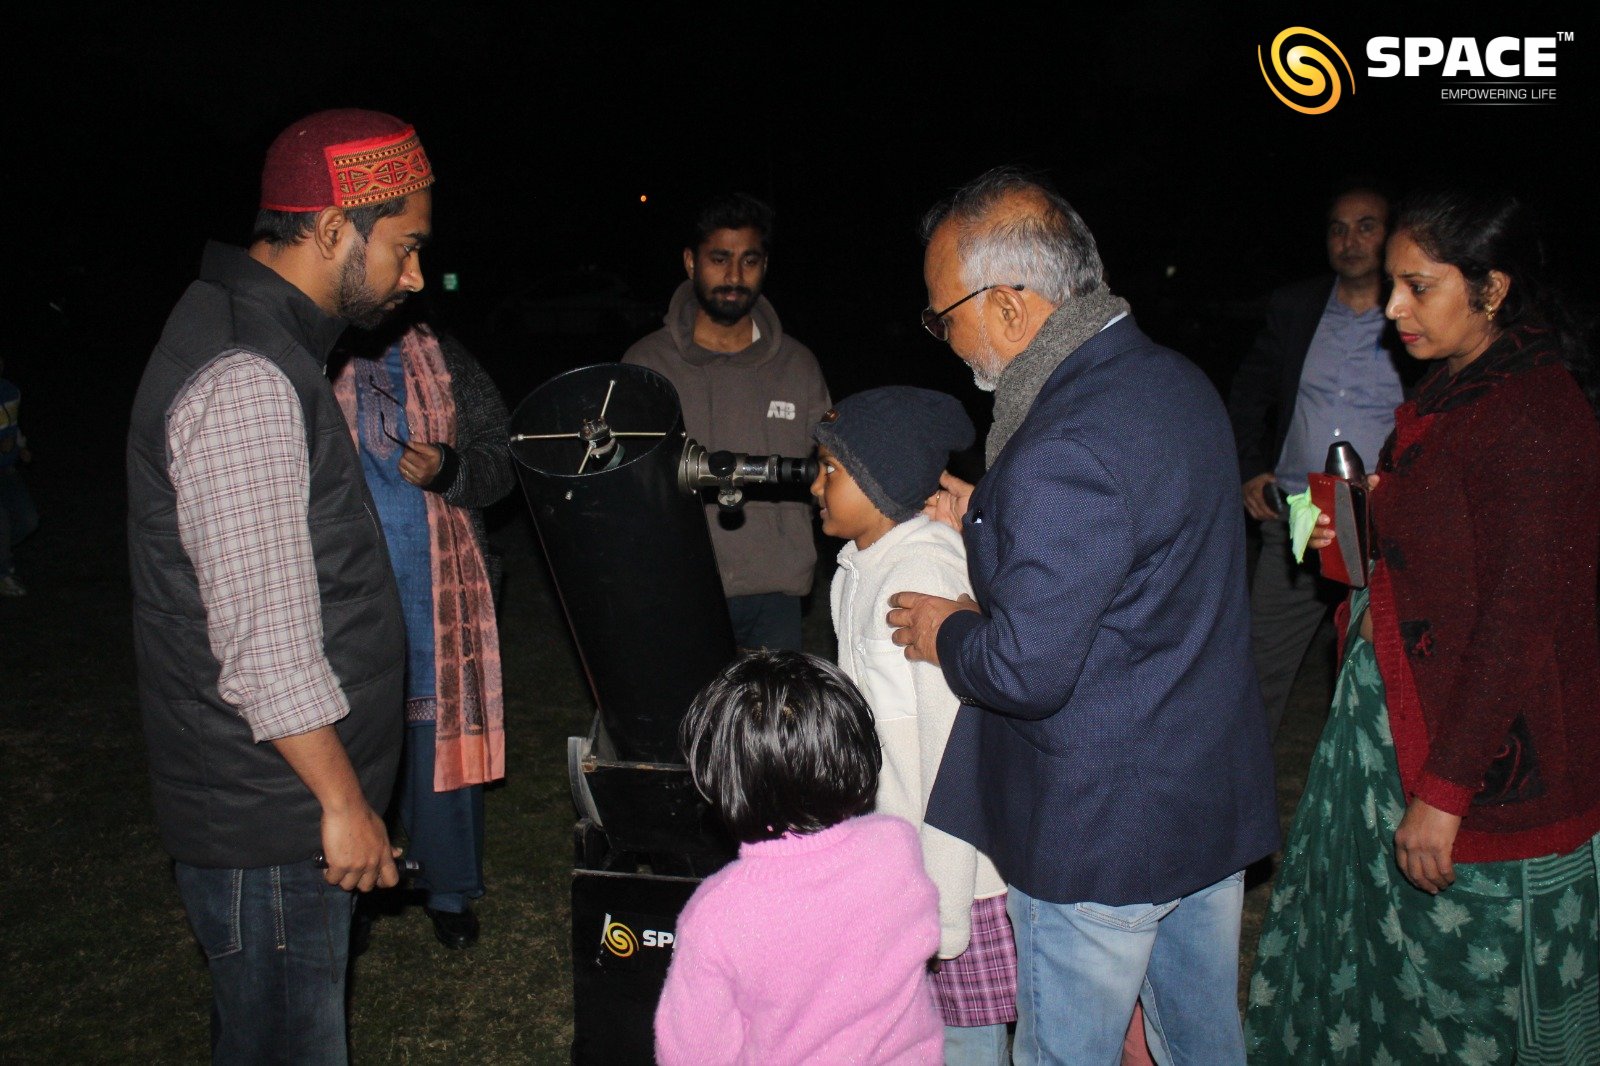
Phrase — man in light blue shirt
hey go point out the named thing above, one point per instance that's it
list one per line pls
(1325, 368)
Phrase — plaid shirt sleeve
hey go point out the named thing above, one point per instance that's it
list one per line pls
(237, 456)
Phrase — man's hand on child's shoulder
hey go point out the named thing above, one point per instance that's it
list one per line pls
(916, 619)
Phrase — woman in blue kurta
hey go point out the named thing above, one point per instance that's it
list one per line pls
(431, 429)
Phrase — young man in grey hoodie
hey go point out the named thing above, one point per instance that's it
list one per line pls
(745, 386)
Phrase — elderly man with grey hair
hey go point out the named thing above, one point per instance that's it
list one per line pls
(1113, 757)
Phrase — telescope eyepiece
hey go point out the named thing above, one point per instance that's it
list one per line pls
(796, 471)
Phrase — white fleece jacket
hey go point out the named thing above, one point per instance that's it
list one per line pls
(913, 707)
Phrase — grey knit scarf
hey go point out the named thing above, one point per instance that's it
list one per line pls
(1073, 323)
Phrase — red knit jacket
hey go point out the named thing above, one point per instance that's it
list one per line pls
(1487, 522)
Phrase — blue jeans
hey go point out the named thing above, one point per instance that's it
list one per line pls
(1081, 966)
(765, 620)
(277, 941)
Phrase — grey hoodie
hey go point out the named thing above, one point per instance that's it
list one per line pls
(762, 400)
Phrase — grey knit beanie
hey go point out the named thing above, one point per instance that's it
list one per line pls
(894, 442)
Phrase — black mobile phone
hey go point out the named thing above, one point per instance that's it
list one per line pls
(407, 866)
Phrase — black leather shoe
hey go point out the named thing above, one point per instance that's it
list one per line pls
(454, 931)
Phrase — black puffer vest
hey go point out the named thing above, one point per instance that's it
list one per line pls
(221, 799)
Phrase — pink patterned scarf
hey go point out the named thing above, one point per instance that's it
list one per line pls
(470, 731)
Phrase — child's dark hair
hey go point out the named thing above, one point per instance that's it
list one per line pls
(782, 742)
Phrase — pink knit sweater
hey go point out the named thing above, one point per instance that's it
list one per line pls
(808, 949)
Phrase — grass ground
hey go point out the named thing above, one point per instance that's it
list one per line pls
(98, 965)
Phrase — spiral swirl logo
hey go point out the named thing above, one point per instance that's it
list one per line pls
(619, 939)
(1306, 71)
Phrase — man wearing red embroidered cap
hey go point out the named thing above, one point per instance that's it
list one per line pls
(268, 633)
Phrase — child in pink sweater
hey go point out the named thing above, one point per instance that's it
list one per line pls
(813, 945)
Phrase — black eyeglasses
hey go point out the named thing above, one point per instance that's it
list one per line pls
(933, 321)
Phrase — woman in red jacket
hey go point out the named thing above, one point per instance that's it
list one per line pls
(1440, 888)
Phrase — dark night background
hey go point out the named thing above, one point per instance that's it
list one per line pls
(137, 136)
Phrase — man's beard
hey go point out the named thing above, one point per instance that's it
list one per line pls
(985, 363)
(726, 304)
(355, 302)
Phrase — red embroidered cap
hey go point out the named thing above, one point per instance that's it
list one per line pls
(343, 158)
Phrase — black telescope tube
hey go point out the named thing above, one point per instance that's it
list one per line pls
(627, 548)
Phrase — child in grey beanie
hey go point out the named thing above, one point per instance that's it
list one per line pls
(895, 441)
(880, 455)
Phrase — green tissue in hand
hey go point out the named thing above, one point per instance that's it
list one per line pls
(1302, 520)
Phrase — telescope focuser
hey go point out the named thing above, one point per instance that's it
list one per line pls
(730, 472)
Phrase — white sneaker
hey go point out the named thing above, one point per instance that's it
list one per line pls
(10, 586)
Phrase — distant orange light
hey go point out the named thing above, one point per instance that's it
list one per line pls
(644, 199)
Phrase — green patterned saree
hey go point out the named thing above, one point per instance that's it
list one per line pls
(1356, 965)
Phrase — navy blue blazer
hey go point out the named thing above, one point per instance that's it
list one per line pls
(1120, 754)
